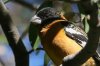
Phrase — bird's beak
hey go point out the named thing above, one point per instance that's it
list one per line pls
(36, 20)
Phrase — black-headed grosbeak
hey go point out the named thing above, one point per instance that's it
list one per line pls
(59, 37)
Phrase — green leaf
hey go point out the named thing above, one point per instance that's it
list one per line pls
(37, 43)
(86, 25)
(3, 39)
(33, 35)
(84, 18)
(46, 59)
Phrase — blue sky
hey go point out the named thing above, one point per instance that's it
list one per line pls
(6, 55)
(35, 59)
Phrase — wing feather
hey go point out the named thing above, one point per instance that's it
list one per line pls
(75, 33)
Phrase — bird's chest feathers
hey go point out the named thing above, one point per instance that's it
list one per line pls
(50, 32)
(53, 36)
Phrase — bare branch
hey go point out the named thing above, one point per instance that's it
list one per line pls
(70, 1)
(13, 37)
(75, 1)
(24, 3)
(91, 46)
(1, 63)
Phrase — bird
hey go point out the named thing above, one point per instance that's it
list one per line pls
(59, 36)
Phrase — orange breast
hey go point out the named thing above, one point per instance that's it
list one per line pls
(56, 44)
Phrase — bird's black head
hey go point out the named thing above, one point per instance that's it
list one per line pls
(45, 13)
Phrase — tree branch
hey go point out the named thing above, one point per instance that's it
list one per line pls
(75, 1)
(12, 35)
(1, 63)
(89, 50)
(70, 1)
(24, 3)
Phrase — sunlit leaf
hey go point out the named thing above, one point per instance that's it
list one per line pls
(86, 25)
(37, 42)
(3, 39)
(84, 19)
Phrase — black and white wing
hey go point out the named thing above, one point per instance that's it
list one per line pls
(75, 33)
